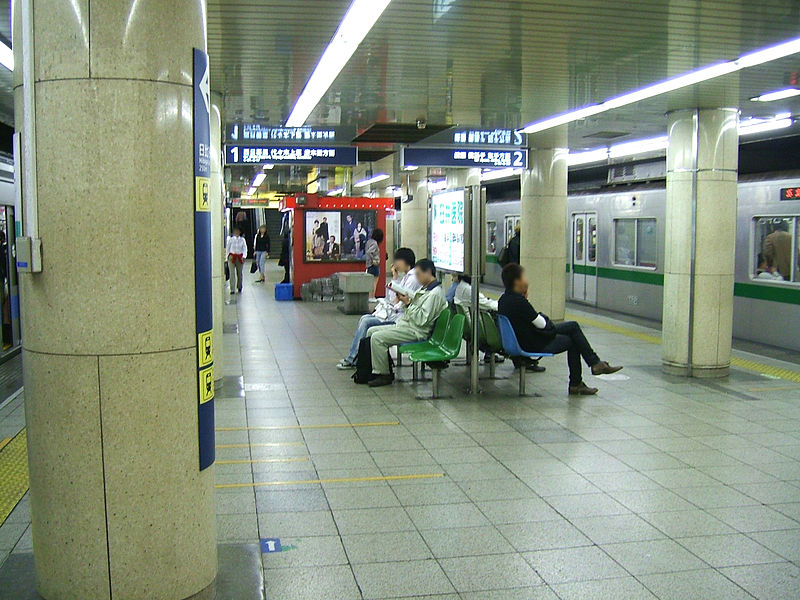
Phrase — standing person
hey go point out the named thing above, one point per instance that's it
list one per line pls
(404, 274)
(261, 247)
(285, 260)
(372, 256)
(236, 251)
(323, 229)
(778, 249)
(537, 333)
(415, 324)
(359, 239)
(514, 246)
(348, 244)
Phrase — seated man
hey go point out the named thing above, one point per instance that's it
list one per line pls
(415, 324)
(537, 333)
(385, 313)
(463, 297)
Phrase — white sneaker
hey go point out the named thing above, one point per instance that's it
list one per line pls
(345, 365)
(372, 300)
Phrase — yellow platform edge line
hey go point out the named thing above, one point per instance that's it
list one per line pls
(245, 461)
(333, 480)
(3, 442)
(327, 426)
(741, 363)
(14, 480)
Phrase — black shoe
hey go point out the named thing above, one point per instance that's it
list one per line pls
(381, 380)
(498, 358)
(232, 292)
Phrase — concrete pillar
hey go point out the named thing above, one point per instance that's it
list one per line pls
(119, 506)
(543, 217)
(702, 163)
(414, 216)
(217, 202)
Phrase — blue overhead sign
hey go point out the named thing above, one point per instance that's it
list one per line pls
(476, 136)
(291, 155)
(486, 158)
(259, 133)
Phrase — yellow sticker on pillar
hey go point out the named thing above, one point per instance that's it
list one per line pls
(206, 385)
(205, 349)
(201, 194)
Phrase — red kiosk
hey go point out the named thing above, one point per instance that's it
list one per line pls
(329, 234)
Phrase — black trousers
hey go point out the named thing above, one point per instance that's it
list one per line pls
(570, 339)
(286, 274)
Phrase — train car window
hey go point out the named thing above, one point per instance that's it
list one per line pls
(775, 248)
(646, 243)
(491, 237)
(592, 240)
(578, 238)
(625, 241)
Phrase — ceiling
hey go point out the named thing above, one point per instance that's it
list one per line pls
(499, 63)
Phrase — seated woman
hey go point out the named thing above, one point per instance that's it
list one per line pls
(388, 313)
(537, 333)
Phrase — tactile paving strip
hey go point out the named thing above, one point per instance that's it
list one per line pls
(14, 480)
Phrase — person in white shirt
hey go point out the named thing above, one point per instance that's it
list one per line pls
(387, 312)
(463, 298)
(236, 252)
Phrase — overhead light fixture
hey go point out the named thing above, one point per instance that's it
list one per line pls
(492, 174)
(638, 147)
(410, 168)
(437, 185)
(258, 179)
(669, 85)
(776, 95)
(252, 191)
(370, 180)
(587, 156)
(356, 24)
(6, 57)
(336, 192)
(268, 166)
(759, 125)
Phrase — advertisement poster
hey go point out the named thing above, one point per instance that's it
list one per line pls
(338, 235)
(447, 231)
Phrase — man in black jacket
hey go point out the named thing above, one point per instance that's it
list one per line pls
(537, 333)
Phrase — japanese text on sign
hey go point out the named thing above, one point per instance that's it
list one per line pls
(291, 155)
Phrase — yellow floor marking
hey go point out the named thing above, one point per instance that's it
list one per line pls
(14, 480)
(261, 445)
(3, 442)
(774, 389)
(333, 480)
(742, 363)
(330, 426)
(263, 460)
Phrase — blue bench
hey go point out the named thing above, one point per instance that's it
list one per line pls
(513, 350)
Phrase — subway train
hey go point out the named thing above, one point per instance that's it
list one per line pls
(615, 254)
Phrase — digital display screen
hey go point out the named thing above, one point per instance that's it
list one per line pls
(447, 231)
(338, 235)
(291, 155)
(792, 193)
(448, 157)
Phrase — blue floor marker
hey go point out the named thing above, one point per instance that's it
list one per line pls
(269, 545)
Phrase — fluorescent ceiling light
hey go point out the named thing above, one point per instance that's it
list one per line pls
(268, 167)
(369, 181)
(356, 24)
(638, 147)
(251, 192)
(437, 186)
(776, 95)
(259, 179)
(587, 156)
(6, 57)
(756, 125)
(681, 81)
(493, 174)
(336, 192)
(410, 168)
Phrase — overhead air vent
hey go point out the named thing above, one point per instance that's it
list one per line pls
(628, 173)
(607, 135)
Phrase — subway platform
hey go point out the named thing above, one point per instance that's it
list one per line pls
(658, 487)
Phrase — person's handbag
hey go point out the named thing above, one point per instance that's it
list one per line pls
(227, 271)
(254, 267)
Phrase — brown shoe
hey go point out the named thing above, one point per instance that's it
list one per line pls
(603, 368)
(582, 390)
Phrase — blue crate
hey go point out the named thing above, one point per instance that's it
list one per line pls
(284, 291)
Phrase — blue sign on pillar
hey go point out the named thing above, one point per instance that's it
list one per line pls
(204, 313)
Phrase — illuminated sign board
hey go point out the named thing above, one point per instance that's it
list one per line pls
(447, 231)
(792, 193)
(258, 133)
(291, 155)
(486, 158)
(476, 136)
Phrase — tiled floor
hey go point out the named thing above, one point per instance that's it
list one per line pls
(656, 488)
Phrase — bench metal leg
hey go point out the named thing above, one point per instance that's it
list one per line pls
(491, 366)
(399, 358)
(436, 373)
(522, 373)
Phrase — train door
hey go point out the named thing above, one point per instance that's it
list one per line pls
(511, 223)
(583, 269)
